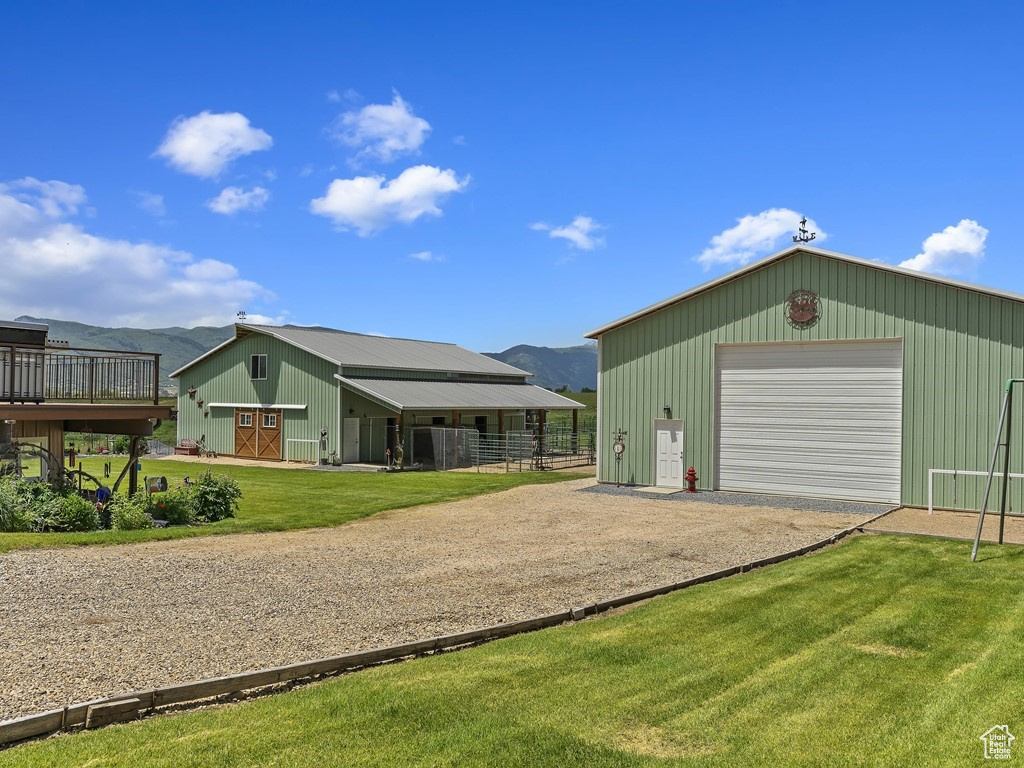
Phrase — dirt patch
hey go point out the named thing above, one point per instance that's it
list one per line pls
(95, 621)
(962, 525)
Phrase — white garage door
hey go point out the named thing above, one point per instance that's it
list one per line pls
(815, 419)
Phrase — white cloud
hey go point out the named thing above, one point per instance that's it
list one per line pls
(204, 144)
(383, 131)
(52, 267)
(955, 250)
(755, 236)
(28, 200)
(333, 97)
(581, 233)
(426, 256)
(152, 203)
(371, 203)
(231, 200)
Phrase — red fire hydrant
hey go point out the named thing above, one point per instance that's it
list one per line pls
(691, 480)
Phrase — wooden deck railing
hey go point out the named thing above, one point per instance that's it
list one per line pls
(78, 375)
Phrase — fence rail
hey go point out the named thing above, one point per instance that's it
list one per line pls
(78, 375)
(448, 448)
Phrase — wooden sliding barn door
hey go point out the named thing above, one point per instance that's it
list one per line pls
(268, 437)
(245, 433)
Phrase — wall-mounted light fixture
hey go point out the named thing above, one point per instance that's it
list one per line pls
(668, 411)
(351, 411)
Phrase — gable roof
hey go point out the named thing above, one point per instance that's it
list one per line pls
(785, 254)
(362, 351)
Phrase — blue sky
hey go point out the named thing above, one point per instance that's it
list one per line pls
(489, 174)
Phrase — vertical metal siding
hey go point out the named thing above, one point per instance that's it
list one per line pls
(959, 348)
(294, 377)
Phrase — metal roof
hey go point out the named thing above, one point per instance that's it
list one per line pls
(404, 394)
(786, 253)
(357, 350)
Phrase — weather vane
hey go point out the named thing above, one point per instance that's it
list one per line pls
(803, 236)
(240, 315)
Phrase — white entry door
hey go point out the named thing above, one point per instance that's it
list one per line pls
(820, 419)
(668, 453)
(350, 445)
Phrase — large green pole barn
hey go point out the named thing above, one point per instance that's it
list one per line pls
(813, 373)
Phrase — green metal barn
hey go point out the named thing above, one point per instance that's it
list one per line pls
(293, 393)
(813, 373)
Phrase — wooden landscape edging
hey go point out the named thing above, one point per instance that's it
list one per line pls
(130, 705)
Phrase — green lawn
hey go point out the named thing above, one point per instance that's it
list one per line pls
(283, 499)
(881, 651)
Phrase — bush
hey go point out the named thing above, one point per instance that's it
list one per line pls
(215, 497)
(129, 513)
(176, 507)
(70, 513)
(121, 444)
(15, 515)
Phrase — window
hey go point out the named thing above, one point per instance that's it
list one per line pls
(258, 367)
(438, 421)
(270, 421)
(245, 419)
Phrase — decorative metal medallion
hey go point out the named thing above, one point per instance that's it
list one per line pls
(802, 308)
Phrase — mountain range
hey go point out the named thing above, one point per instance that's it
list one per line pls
(552, 367)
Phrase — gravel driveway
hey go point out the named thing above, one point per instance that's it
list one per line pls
(81, 623)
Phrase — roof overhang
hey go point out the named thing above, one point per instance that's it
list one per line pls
(785, 254)
(404, 394)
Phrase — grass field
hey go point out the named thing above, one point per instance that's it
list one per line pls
(587, 415)
(284, 499)
(881, 651)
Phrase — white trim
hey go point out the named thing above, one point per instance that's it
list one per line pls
(276, 406)
(202, 357)
(779, 256)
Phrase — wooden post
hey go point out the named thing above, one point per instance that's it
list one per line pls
(501, 422)
(10, 374)
(156, 379)
(456, 419)
(133, 467)
(575, 429)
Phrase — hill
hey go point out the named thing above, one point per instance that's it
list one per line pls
(176, 346)
(554, 367)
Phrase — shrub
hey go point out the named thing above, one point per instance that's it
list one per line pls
(177, 507)
(129, 513)
(121, 444)
(215, 497)
(15, 515)
(69, 513)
